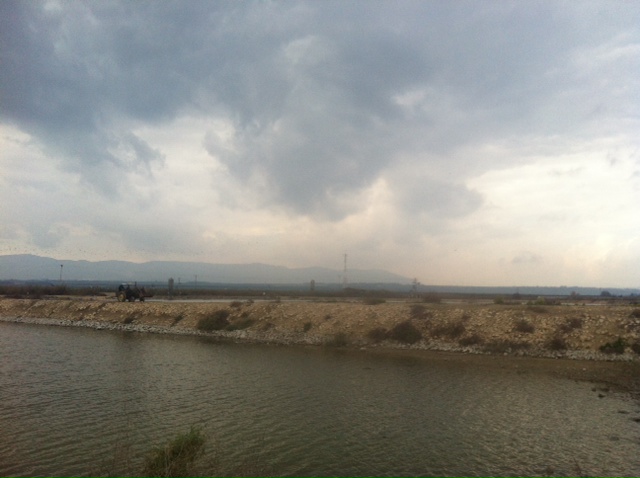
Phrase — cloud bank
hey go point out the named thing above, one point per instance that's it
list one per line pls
(467, 142)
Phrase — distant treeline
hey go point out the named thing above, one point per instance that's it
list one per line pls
(39, 289)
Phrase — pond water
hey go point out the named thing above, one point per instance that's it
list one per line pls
(84, 402)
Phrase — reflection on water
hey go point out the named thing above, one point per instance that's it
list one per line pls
(72, 399)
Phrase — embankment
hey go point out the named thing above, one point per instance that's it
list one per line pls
(561, 331)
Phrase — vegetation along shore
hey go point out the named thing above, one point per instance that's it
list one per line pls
(577, 331)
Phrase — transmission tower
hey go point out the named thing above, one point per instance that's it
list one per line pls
(345, 280)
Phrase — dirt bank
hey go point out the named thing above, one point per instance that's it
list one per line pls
(558, 331)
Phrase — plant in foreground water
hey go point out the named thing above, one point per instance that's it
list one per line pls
(176, 457)
(184, 455)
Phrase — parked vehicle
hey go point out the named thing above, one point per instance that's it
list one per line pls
(126, 292)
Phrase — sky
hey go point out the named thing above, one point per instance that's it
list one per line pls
(455, 142)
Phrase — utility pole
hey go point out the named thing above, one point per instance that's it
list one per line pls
(61, 265)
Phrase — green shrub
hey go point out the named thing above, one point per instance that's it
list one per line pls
(129, 319)
(636, 347)
(243, 323)
(505, 346)
(216, 321)
(575, 323)
(452, 331)
(33, 291)
(307, 326)
(186, 455)
(523, 326)
(616, 347)
(455, 330)
(635, 314)
(473, 339)
(431, 298)
(378, 334)
(176, 457)
(177, 319)
(182, 457)
(570, 325)
(236, 304)
(543, 301)
(419, 312)
(340, 339)
(537, 309)
(557, 343)
(373, 301)
(405, 332)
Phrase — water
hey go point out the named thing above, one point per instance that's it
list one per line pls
(84, 402)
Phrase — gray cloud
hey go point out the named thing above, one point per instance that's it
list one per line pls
(312, 88)
(527, 257)
(418, 195)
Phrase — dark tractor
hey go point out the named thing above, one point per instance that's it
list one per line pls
(127, 293)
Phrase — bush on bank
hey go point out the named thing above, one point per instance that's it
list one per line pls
(524, 327)
(616, 347)
(216, 321)
(377, 334)
(450, 330)
(405, 332)
(339, 339)
(419, 312)
(373, 301)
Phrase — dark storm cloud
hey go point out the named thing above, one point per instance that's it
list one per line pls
(311, 88)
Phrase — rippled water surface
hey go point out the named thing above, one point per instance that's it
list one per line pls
(83, 402)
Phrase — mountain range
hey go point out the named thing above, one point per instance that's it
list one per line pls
(26, 267)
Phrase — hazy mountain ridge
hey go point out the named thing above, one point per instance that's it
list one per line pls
(29, 267)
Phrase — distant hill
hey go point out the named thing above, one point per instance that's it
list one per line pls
(29, 267)
(26, 267)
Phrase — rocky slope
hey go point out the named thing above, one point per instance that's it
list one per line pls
(553, 331)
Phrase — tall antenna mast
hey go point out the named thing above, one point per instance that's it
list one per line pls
(345, 281)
